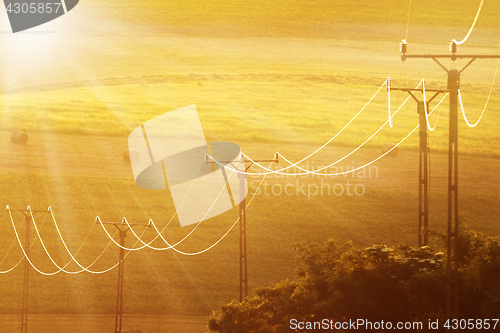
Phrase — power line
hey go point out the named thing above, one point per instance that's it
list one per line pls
(227, 232)
(173, 247)
(11, 245)
(306, 172)
(26, 256)
(316, 172)
(381, 156)
(317, 150)
(23, 250)
(159, 234)
(62, 269)
(73, 257)
(325, 167)
(485, 106)
(389, 100)
(402, 62)
(338, 133)
(10, 248)
(408, 21)
(472, 27)
(425, 108)
(170, 220)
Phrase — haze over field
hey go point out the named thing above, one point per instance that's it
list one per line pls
(270, 76)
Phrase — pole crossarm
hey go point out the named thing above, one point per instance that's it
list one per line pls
(209, 159)
(412, 90)
(420, 90)
(450, 56)
(453, 57)
(123, 223)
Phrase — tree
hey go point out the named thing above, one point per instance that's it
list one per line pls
(339, 283)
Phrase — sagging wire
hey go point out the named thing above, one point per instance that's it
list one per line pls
(486, 104)
(472, 27)
(306, 172)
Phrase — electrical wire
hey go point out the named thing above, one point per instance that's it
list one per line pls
(231, 228)
(169, 221)
(73, 257)
(24, 252)
(378, 158)
(306, 172)
(139, 237)
(429, 168)
(389, 99)
(350, 171)
(11, 245)
(95, 211)
(215, 243)
(485, 106)
(472, 27)
(338, 133)
(170, 246)
(325, 167)
(173, 246)
(59, 268)
(124, 220)
(402, 62)
(408, 21)
(324, 145)
(425, 109)
(13, 267)
(10, 248)
(317, 170)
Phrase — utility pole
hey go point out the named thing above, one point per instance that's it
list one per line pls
(423, 169)
(27, 218)
(122, 227)
(243, 237)
(243, 219)
(452, 309)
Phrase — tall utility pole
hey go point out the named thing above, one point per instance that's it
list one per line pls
(243, 219)
(27, 218)
(452, 310)
(243, 237)
(122, 227)
(423, 169)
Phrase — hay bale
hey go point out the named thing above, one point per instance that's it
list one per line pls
(19, 137)
(388, 146)
(130, 155)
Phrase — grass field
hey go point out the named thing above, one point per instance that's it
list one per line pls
(268, 76)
